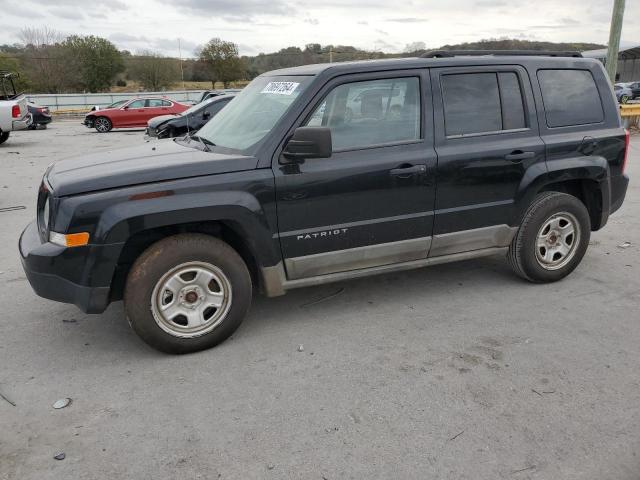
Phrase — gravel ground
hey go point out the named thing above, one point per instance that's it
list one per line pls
(450, 372)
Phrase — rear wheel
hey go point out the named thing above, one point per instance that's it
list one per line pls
(187, 293)
(102, 124)
(552, 239)
(3, 136)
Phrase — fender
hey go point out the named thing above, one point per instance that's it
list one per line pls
(111, 217)
(579, 167)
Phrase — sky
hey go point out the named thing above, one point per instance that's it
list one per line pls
(268, 25)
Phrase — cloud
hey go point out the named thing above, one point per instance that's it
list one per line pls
(490, 3)
(312, 21)
(67, 13)
(407, 20)
(243, 10)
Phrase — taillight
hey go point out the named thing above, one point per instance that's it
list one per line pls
(15, 111)
(626, 149)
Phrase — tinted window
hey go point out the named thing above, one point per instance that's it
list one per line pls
(216, 107)
(512, 106)
(136, 104)
(166, 103)
(154, 102)
(570, 97)
(471, 103)
(363, 114)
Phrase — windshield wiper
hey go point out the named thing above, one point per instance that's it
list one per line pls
(205, 140)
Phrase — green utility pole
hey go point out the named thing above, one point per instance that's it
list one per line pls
(614, 38)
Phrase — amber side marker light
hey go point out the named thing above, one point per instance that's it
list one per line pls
(69, 239)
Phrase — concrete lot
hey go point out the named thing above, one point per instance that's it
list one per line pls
(460, 371)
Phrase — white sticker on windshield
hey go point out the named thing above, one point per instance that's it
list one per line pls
(280, 88)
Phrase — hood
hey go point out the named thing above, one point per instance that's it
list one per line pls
(155, 122)
(151, 162)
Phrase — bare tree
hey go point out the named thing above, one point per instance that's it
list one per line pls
(44, 58)
(154, 71)
(39, 37)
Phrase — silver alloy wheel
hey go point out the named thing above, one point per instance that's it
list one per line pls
(191, 299)
(102, 124)
(557, 241)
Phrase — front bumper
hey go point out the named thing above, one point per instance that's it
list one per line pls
(22, 124)
(88, 122)
(68, 275)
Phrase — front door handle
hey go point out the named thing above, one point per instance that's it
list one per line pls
(406, 172)
(519, 155)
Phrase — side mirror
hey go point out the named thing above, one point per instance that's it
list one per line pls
(126, 107)
(308, 142)
(206, 115)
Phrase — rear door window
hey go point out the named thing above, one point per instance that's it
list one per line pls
(483, 102)
(570, 97)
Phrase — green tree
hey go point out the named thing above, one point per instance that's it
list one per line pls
(95, 60)
(11, 64)
(154, 71)
(224, 63)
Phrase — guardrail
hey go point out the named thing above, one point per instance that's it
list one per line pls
(84, 101)
(630, 114)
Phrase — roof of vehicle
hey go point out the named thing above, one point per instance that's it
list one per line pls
(415, 62)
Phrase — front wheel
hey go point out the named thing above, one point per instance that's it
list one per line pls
(187, 293)
(102, 124)
(552, 239)
(4, 136)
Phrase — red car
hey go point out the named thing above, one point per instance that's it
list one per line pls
(133, 113)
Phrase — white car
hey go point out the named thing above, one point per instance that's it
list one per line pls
(14, 113)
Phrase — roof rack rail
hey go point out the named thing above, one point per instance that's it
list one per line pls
(517, 53)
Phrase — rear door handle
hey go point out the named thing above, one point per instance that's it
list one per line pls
(406, 172)
(519, 155)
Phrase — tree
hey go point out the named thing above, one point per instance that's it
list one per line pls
(154, 71)
(95, 60)
(11, 64)
(224, 63)
(43, 59)
(415, 47)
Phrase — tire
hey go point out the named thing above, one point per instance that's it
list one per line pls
(157, 310)
(543, 250)
(3, 136)
(102, 124)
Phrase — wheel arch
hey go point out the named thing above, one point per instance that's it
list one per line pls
(584, 177)
(228, 231)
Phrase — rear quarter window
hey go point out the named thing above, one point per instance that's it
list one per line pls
(570, 97)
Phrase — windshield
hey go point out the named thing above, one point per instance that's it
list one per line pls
(254, 112)
(117, 104)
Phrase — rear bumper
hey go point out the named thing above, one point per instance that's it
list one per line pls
(42, 119)
(619, 186)
(22, 124)
(52, 271)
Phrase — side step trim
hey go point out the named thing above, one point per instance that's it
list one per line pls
(275, 283)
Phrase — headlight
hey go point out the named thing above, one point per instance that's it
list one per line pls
(45, 214)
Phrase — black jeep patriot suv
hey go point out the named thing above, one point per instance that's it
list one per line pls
(329, 172)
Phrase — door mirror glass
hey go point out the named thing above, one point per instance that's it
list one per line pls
(308, 142)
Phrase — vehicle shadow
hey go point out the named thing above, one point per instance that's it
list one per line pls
(331, 304)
